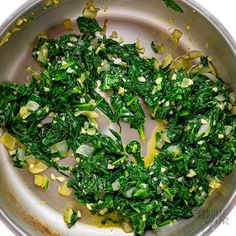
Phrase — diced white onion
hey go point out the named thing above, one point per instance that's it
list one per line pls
(165, 138)
(204, 129)
(116, 185)
(211, 77)
(105, 66)
(21, 154)
(85, 150)
(176, 35)
(192, 55)
(186, 83)
(175, 149)
(166, 61)
(233, 110)
(232, 98)
(228, 129)
(60, 147)
(32, 106)
(220, 98)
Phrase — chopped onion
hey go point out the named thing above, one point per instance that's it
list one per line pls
(176, 35)
(121, 91)
(24, 113)
(64, 190)
(114, 35)
(212, 69)
(186, 83)
(68, 24)
(90, 11)
(204, 129)
(91, 131)
(8, 141)
(127, 227)
(165, 138)
(192, 55)
(129, 193)
(141, 79)
(160, 143)
(60, 147)
(90, 114)
(104, 28)
(211, 77)
(199, 69)
(43, 54)
(175, 149)
(181, 62)
(191, 173)
(103, 211)
(85, 150)
(156, 64)
(220, 98)
(94, 42)
(67, 215)
(214, 183)
(20, 154)
(166, 61)
(116, 185)
(105, 66)
(232, 98)
(37, 168)
(32, 106)
(233, 110)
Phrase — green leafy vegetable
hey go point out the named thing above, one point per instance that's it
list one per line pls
(173, 5)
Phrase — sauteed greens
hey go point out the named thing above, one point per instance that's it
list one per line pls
(54, 115)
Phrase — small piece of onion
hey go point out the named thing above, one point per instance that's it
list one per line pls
(60, 147)
(68, 24)
(181, 62)
(127, 227)
(212, 69)
(232, 98)
(228, 129)
(105, 66)
(220, 98)
(186, 83)
(199, 69)
(166, 61)
(233, 110)
(37, 168)
(175, 149)
(213, 183)
(192, 55)
(8, 141)
(90, 11)
(204, 129)
(85, 150)
(164, 137)
(32, 106)
(116, 185)
(176, 35)
(64, 190)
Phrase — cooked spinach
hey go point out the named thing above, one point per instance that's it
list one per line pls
(196, 149)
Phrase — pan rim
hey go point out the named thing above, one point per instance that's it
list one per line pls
(14, 226)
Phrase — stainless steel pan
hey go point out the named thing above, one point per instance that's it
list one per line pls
(28, 211)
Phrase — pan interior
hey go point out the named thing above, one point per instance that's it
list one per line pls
(148, 21)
